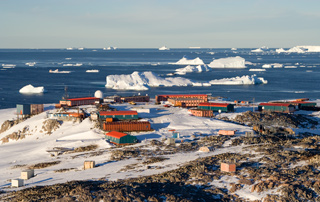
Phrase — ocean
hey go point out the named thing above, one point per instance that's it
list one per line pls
(301, 80)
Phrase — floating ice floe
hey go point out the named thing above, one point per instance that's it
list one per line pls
(92, 71)
(57, 71)
(29, 89)
(189, 69)
(30, 64)
(8, 66)
(244, 80)
(257, 70)
(186, 61)
(267, 66)
(230, 62)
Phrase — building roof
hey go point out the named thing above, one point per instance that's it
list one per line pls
(303, 102)
(83, 98)
(211, 104)
(276, 104)
(116, 134)
(111, 113)
(183, 95)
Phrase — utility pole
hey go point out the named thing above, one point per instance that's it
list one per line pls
(253, 105)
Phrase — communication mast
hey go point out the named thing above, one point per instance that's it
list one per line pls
(66, 96)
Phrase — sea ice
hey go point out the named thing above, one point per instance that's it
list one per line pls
(29, 89)
(230, 62)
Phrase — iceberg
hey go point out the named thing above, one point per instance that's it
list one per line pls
(230, 62)
(296, 50)
(186, 61)
(29, 89)
(164, 48)
(258, 50)
(310, 48)
(189, 68)
(143, 81)
(244, 80)
(280, 50)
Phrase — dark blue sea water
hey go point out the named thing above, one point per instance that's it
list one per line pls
(283, 83)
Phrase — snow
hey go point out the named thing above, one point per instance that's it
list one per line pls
(30, 89)
(230, 62)
(244, 80)
(143, 81)
(186, 61)
(189, 69)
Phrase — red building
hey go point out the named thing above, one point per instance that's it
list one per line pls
(79, 101)
(203, 97)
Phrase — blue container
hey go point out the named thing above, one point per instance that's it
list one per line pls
(23, 109)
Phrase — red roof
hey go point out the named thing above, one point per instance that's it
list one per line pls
(83, 98)
(116, 134)
(303, 102)
(183, 95)
(275, 104)
(214, 104)
(111, 113)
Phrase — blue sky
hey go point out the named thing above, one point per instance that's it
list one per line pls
(154, 23)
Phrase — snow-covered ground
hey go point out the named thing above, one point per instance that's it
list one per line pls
(17, 155)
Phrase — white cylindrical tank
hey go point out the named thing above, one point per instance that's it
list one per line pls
(98, 94)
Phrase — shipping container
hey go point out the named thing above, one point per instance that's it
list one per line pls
(127, 126)
(121, 138)
(223, 107)
(36, 109)
(226, 132)
(23, 109)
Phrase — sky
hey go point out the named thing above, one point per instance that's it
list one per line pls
(156, 23)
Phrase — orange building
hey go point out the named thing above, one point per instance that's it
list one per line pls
(228, 167)
(186, 101)
(201, 112)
